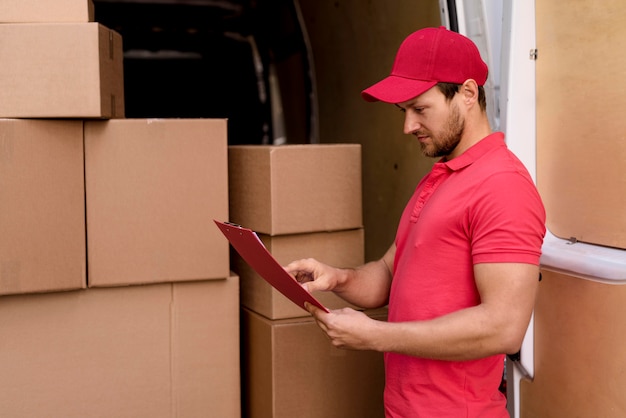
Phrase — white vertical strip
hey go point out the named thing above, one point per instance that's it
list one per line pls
(518, 122)
(517, 117)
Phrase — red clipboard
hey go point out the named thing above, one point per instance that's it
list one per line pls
(247, 243)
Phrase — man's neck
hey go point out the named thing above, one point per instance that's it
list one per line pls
(473, 134)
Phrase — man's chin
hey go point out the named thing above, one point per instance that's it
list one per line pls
(428, 150)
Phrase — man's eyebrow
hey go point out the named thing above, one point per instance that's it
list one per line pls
(412, 104)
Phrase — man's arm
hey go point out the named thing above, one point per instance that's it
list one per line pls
(496, 326)
(366, 286)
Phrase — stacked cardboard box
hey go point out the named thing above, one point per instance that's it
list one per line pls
(60, 70)
(52, 11)
(42, 201)
(303, 201)
(163, 350)
(291, 370)
(117, 293)
(153, 188)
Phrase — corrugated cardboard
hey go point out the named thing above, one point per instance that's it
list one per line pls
(42, 206)
(581, 149)
(61, 70)
(579, 337)
(292, 189)
(339, 248)
(153, 188)
(29, 11)
(290, 369)
(169, 350)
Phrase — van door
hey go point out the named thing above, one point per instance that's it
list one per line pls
(556, 80)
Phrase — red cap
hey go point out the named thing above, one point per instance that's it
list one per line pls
(425, 58)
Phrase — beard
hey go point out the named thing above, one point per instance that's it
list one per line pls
(445, 141)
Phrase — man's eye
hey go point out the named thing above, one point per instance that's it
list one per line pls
(419, 109)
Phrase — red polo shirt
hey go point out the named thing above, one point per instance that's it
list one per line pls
(481, 207)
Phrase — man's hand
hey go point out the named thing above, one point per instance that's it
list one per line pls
(313, 275)
(346, 328)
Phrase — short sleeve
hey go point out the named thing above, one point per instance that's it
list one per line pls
(506, 222)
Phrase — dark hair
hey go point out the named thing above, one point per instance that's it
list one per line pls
(450, 89)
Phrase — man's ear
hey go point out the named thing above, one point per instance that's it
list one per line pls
(469, 90)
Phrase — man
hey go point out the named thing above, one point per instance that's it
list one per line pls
(461, 277)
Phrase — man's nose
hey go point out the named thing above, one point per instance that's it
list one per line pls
(411, 124)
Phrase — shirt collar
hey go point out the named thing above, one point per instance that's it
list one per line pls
(476, 151)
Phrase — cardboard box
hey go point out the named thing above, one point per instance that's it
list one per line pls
(153, 188)
(583, 188)
(168, 350)
(59, 11)
(42, 206)
(339, 248)
(290, 369)
(579, 336)
(61, 70)
(293, 189)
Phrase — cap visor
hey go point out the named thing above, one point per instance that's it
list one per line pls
(394, 89)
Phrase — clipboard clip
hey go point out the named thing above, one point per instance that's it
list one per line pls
(233, 224)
